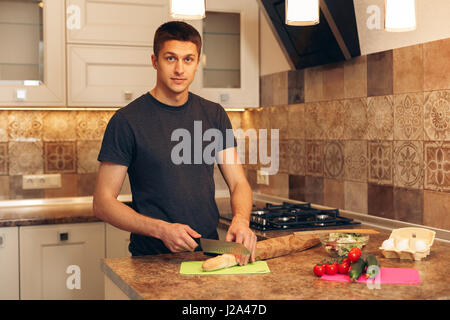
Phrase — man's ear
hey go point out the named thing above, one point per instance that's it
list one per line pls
(154, 61)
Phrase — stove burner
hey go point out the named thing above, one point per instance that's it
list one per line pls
(296, 216)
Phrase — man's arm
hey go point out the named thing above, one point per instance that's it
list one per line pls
(241, 202)
(177, 237)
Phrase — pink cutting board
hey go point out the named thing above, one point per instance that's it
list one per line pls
(386, 275)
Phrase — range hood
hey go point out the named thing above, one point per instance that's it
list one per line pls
(334, 39)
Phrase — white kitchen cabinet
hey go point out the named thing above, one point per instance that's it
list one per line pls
(109, 76)
(115, 22)
(33, 49)
(229, 69)
(117, 242)
(9, 263)
(62, 261)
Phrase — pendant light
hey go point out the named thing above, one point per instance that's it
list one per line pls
(302, 12)
(187, 9)
(400, 15)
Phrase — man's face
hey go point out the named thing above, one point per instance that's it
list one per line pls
(176, 65)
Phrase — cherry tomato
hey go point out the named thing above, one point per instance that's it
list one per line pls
(319, 270)
(331, 269)
(344, 268)
(354, 254)
(345, 260)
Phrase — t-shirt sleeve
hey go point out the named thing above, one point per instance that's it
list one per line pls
(226, 128)
(118, 141)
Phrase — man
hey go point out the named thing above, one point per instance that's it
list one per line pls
(173, 203)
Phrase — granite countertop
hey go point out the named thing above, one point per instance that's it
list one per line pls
(291, 277)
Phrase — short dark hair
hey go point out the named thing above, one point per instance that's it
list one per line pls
(176, 30)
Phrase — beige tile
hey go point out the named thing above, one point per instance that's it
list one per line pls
(266, 91)
(297, 157)
(87, 153)
(408, 116)
(437, 166)
(355, 77)
(355, 161)
(355, 123)
(262, 119)
(59, 126)
(235, 118)
(436, 209)
(279, 120)
(3, 158)
(380, 162)
(280, 88)
(408, 205)
(313, 84)
(296, 121)
(334, 119)
(248, 119)
(333, 81)
(333, 159)
(25, 125)
(334, 193)
(86, 184)
(380, 74)
(278, 185)
(16, 191)
(60, 157)
(436, 118)
(314, 189)
(436, 64)
(314, 157)
(25, 158)
(355, 194)
(380, 117)
(408, 69)
(315, 120)
(283, 156)
(408, 164)
(3, 126)
(91, 125)
(69, 187)
(4, 188)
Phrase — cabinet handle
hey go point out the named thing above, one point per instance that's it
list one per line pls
(128, 95)
(64, 236)
(2, 240)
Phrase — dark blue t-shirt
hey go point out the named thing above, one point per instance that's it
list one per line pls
(168, 181)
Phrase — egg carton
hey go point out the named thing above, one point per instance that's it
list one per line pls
(412, 235)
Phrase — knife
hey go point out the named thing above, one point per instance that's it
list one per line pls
(220, 247)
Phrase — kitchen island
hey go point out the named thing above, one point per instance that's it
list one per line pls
(290, 277)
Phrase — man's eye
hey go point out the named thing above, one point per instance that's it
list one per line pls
(170, 58)
(188, 59)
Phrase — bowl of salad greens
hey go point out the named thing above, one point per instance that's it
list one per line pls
(339, 244)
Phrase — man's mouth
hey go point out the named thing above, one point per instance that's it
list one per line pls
(178, 80)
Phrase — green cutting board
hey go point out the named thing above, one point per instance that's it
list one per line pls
(195, 268)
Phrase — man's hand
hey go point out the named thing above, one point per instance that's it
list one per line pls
(240, 232)
(178, 237)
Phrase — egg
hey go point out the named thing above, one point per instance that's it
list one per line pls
(421, 245)
(403, 245)
(388, 244)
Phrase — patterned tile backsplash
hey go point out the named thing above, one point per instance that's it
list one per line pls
(372, 136)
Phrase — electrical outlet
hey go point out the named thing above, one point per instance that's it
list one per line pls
(262, 177)
(41, 181)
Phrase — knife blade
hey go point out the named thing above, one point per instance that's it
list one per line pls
(221, 247)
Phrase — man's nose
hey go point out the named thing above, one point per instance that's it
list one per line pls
(179, 67)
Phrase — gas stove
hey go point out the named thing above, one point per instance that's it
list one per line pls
(294, 216)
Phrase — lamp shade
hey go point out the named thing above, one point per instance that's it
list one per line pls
(187, 9)
(302, 12)
(400, 15)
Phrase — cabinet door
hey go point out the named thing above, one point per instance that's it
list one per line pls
(107, 75)
(9, 263)
(229, 70)
(117, 242)
(62, 261)
(24, 55)
(124, 22)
